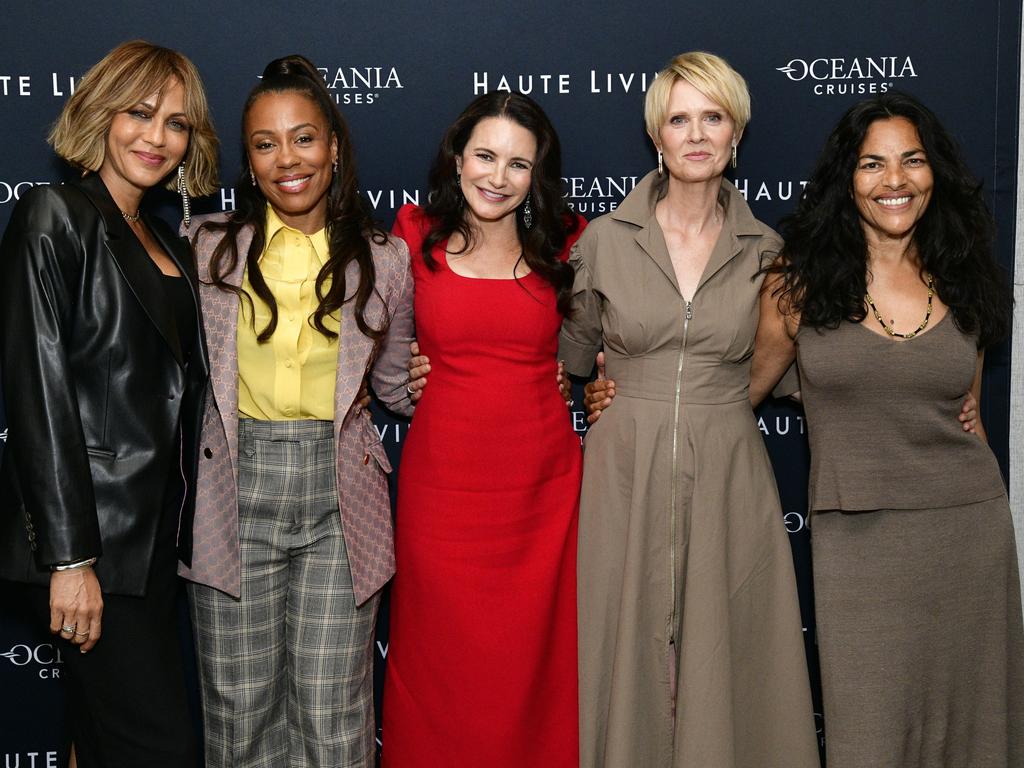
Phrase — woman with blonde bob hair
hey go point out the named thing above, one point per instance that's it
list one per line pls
(690, 644)
(104, 367)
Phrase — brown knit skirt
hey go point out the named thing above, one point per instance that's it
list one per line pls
(920, 637)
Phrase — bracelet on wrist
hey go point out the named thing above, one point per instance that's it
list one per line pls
(74, 565)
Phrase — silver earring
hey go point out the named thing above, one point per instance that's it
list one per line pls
(527, 212)
(334, 167)
(186, 204)
(661, 164)
(252, 178)
(458, 187)
(733, 155)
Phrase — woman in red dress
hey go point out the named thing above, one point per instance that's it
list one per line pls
(482, 655)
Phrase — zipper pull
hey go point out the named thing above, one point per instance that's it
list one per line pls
(689, 310)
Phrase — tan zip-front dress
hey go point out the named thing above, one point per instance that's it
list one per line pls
(691, 650)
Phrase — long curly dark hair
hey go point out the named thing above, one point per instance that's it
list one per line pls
(553, 220)
(824, 263)
(348, 221)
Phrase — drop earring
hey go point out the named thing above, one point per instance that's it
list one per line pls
(252, 177)
(186, 204)
(661, 164)
(334, 166)
(733, 155)
(527, 212)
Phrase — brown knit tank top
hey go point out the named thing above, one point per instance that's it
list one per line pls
(882, 419)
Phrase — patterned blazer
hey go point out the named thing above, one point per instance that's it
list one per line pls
(362, 464)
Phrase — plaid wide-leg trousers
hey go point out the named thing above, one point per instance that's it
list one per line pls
(286, 672)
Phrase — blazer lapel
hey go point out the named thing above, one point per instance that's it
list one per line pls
(131, 259)
(220, 320)
(137, 269)
(181, 254)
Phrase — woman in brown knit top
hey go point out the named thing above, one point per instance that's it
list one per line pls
(887, 294)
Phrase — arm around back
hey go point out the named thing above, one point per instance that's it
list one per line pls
(390, 372)
(581, 334)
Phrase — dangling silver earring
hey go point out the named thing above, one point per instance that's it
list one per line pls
(527, 212)
(458, 188)
(334, 167)
(733, 155)
(186, 204)
(661, 164)
(252, 177)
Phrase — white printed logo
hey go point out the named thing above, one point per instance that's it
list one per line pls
(859, 75)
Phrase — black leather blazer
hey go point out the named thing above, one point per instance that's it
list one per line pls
(94, 381)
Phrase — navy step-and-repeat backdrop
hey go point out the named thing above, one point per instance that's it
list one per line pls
(401, 71)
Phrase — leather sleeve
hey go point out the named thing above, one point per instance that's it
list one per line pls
(41, 260)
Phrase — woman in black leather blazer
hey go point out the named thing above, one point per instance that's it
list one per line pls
(104, 371)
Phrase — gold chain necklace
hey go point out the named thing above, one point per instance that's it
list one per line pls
(927, 315)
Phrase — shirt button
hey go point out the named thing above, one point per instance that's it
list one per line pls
(287, 363)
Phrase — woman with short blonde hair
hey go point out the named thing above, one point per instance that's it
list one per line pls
(125, 77)
(690, 642)
(709, 74)
(104, 368)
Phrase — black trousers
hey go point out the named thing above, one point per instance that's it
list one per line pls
(126, 698)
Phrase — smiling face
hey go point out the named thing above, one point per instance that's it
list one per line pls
(497, 167)
(697, 136)
(145, 143)
(291, 152)
(893, 181)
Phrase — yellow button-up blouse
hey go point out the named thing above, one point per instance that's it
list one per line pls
(293, 374)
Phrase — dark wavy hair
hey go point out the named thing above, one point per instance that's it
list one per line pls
(553, 220)
(824, 264)
(348, 221)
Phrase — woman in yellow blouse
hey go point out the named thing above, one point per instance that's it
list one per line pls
(292, 538)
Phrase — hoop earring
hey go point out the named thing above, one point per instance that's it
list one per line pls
(661, 164)
(527, 212)
(733, 155)
(186, 204)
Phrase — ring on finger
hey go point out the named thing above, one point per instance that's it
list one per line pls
(69, 629)
(409, 389)
(81, 634)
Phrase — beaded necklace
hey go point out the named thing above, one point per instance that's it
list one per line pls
(892, 331)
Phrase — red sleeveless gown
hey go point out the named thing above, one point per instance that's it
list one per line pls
(481, 665)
